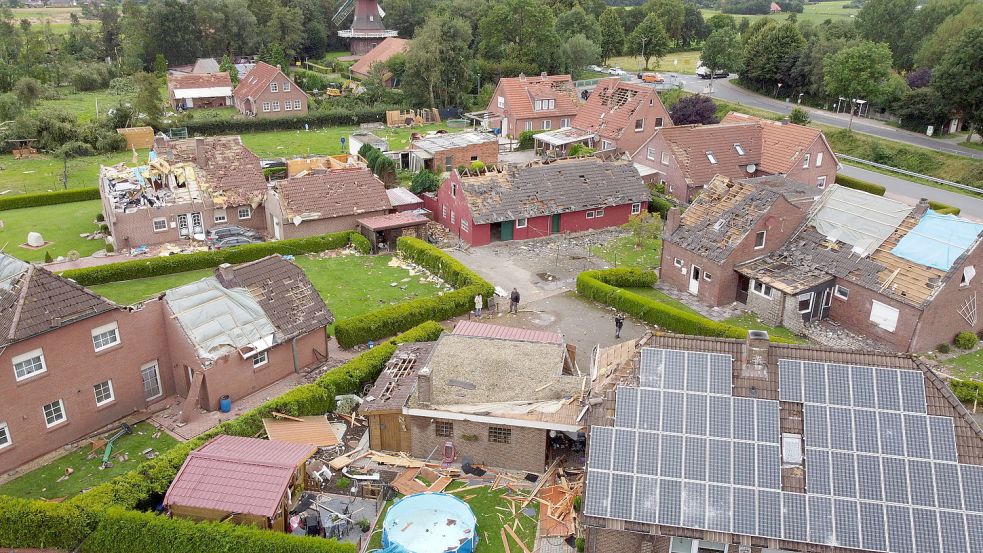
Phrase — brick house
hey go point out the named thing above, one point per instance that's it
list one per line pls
(776, 454)
(477, 391)
(380, 54)
(517, 203)
(532, 103)
(208, 90)
(902, 276)
(266, 91)
(686, 158)
(621, 115)
(730, 223)
(324, 201)
(441, 153)
(186, 187)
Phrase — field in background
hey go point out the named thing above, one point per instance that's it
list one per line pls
(816, 13)
(675, 62)
(43, 173)
(58, 18)
(323, 141)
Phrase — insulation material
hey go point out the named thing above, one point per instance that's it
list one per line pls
(218, 319)
(857, 218)
(10, 269)
(938, 240)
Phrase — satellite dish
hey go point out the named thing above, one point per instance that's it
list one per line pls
(751, 168)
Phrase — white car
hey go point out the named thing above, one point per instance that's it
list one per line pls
(595, 68)
(617, 71)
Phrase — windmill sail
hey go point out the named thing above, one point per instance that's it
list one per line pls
(343, 12)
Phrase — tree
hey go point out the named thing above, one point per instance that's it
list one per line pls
(287, 25)
(885, 21)
(438, 63)
(424, 181)
(612, 35)
(273, 54)
(230, 68)
(577, 22)
(768, 52)
(919, 78)
(109, 26)
(959, 77)
(857, 73)
(160, 65)
(27, 90)
(148, 102)
(644, 227)
(649, 40)
(694, 110)
(721, 21)
(933, 47)
(798, 116)
(921, 107)
(522, 31)
(578, 52)
(721, 51)
(694, 27)
(921, 26)
(671, 13)
(171, 31)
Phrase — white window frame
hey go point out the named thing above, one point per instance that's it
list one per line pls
(266, 107)
(538, 105)
(805, 160)
(636, 208)
(650, 153)
(658, 120)
(276, 105)
(801, 297)
(792, 454)
(665, 158)
(261, 358)
(274, 87)
(297, 105)
(711, 157)
(221, 216)
(160, 386)
(677, 262)
(821, 182)
(841, 292)
(739, 148)
(598, 213)
(36, 353)
(5, 439)
(521, 222)
(565, 122)
(443, 211)
(105, 329)
(501, 102)
(288, 106)
(884, 316)
(639, 125)
(547, 124)
(286, 86)
(61, 407)
(248, 210)
(765, 291)
(159, 220)
(819, 159)
(606, 145)
(112, 394)
(969, 273)
(528, 125)
(551, 103)
(707, 276)
(453, 218)
(590, 213)
(464, 226)
(764, 238)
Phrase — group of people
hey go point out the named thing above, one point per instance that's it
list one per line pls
(514, 298)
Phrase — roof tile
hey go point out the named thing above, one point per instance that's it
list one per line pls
(336, 193)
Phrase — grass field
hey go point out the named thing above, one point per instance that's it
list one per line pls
(59, 224)
(42, 483)
(129, 292)
(43, 173)
(621, 252)
(816, 13)
(82, 104)
(750, 321)
(675, 62)
(58, 18)
(323, 141)
(660, 297)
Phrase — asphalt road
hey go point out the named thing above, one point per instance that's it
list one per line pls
(910, 192)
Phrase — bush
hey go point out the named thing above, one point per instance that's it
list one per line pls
(660, 205)
(943, 348)
(21, 201)
(39, 524)
(943, 209)
(477, 166)
(75, 148)
(361, 243)
(966, 340)
(581, 544)
(47, 257)
(141, 268)
(967, 391)
(798, 116)
(424, 181)
(858, 184)
(578, 150)
(314, 119)
(526, 140)
(343, 483)
(99, 216)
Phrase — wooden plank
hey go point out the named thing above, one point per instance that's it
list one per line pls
(522, 545)
(280, 415)
(505, 541)
(476, 486)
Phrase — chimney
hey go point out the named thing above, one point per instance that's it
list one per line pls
(424, 388)
(200, 150)
(225, 272)
(522, 76)
(921, 207)
(672, 220)
(756, 354)
(543, 74)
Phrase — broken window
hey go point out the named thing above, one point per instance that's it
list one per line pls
(650, 154)
(443, 429)
(499, 435)
(740, 150)
(665, 158)
(805, 161)
(4, 435)
(712, 159)
(805, 302)
(160, 224)
(677, 262)
(841, 292)
(54, 413)
(29, 364)
(968, 273)
(761, 288)
(639, 125)
(105, 336)
(658, 122)
(260, 359)
(636, 208)
(104, 392)
(791, 449)
(759, 239)
(821, 182)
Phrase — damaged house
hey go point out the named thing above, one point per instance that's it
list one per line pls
(733, 446)
(685, 158)
(483, 395)
(522, 103)
(441, 153)
(195, 90)
(540, 199)
(186, 187)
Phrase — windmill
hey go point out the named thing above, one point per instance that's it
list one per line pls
(367, 29)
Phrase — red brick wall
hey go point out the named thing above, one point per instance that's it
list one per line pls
(526, 452)
(671, 174)
(720, 290)
(295, 93)
(457, 204)
(941, 320)
(810, 175)
(854, 314)
(536, 227)
(617, 215)
(486, 152)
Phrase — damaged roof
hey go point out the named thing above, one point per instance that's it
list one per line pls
(448, 141)
(230, 170)
(205, 83)
(690, 145)
(548, 188)
(335, 193)
(782, 143)
(33, 301)
(521, 93)
(501, 332)
(397, 381)
(612, 106)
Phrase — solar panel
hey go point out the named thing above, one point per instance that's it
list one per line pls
(622, 495)
(926, 527)
(844, 474)
(869, 478)
(646, 499)
(624, 450)
(912, 391)
(744, 464)
(719, 460)
(790, 380)
(865, 429)
(820, 519)
(675, 370)
(895, 473)
(814, 382)
(720, 373)
(769, 429)
(695, 467)
(872, 529)
(943, 435)
(816, 426)
(719, 411)
(817, 471)
(598, 487)
(862, 382)
(974, 531)
(953, 526)
(694, 504)
(672, 412)
(697, 370)
(744, 426)
(922, 482)
(947, 487)
(888, 394)
(838, 377)
(898, 528)
(769, 514)
(846, 522)
(626, 407)
(745, 512)
(696, 414)
(718, 508)
(601, 444)
(669, 496)
(649, 402)
(796, 522)
(671, 456)
(841, 428)
(972, 479)
(892, 433)
(916, 436)
(647, 461)
(652, 366)
(769, 466)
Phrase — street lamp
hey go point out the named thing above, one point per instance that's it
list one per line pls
(800, 97)
(777, 90)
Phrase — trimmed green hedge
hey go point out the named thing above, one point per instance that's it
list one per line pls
(314, 119)
(122, 531)
(361, 243)
(156, 266)
(943, 209)
(660, 205)
(967, 391)
(40, 524)
(858, 184)
(394, 319)
(49, 198)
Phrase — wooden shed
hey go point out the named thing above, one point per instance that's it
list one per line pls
(138, 137)
(383, 407)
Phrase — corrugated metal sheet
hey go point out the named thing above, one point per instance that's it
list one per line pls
(482, 330)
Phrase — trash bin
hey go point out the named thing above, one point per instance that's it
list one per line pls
(225, 404)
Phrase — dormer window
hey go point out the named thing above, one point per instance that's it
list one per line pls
(712, 159)
(541, 105)
(740, 150)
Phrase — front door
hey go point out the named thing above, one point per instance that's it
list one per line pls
(556, 223)
(182, 225)
(827, 300)
(389, 432)
(694, 279)
(743, 286)
(505, 126)
(507, 229)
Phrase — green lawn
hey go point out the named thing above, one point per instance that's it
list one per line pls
(42, 483)
(816, 13)
(322, 141)
(43, 173)
(59, 224)
(622, 252)
(750, 321)
(83, 104)
(59, 19)
(969, 365)
(661, 297)
(674, 62)
(129, 292)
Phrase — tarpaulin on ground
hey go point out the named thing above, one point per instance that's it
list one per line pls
(938, 240)
(857, 218)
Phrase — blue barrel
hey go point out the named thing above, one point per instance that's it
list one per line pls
(225, 404)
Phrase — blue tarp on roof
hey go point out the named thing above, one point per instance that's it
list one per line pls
(937, 240)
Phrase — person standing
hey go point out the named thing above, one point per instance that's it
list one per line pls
(514, 301)
(619, 322)
(477, 305)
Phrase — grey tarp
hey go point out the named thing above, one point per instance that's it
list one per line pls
(857, 218)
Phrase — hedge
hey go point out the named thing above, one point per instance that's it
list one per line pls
(967, 391)
(943, 209)
(858, 184)
(394, 319)
(122, 531)
(156, 266)
(39, 524)
(49, 198)
(660, 205)
(361, 243)
(314, 119)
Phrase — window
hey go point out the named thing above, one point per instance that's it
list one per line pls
(841, 292)
(464, 226)
(712, 159)
(819, 159)
(273, 87)
(443, 429)
(606, 145)
(538, 105)
(29, 364)
(528, 125)
(761, 288)
(151, 381)
(266, 106)
(501, 101)
(636, 208)
(286, 86)
(297, 105)
(443, 211)
(521, 223)
(565, 122)
(453, 221)
(54, 413)
(884, 316)
(105, 336)
(160, 225)
(665, 158)
(740, 150)
(547, 125)
(104, 392)
(454, 189)
(288, 106)
(805, 161)
(639, 125)
(4, 435)
(658, 122)
(677, 262)
(821, 182)
(551, 103)
(261, 359)
(499, 435)
(276, 105)
(599, 213)
(221, 216)
(245, 212)
(805, 302)
(590, 214)
(968, 273)
(791, 449)
(650, 153)
(759, 239)
(707, 276)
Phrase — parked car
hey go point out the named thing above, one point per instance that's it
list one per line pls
(216, 234)
(652, 78)
(617, 71)
(233, 241)
(704, 73)
(595, 68)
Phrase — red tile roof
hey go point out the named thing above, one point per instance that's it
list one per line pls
(381, 53)
(258, 80)
(237, 475)
(782, 143)
(521, 93)
(333, 193)
(483, 330)
(689, 144)
(198, 80)
(612, 106)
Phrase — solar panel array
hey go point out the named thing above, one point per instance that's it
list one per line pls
(881, 474)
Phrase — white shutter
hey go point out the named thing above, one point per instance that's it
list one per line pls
(884, 316)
